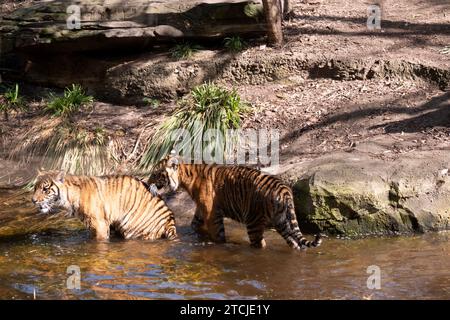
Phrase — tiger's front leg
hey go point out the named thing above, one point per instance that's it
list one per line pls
(198, 224)
(209, 223)
(100, 229)
(216, 227)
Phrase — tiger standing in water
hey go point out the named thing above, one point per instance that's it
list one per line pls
(241, 193)
(122, 203)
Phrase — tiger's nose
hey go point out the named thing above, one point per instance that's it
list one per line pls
(34, 200)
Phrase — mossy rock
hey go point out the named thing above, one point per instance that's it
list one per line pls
(355, 194)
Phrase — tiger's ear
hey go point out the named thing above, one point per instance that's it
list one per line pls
(60, 177)
(171, 155)
(173, 160)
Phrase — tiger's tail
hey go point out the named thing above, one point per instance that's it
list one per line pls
(290, 231)
(315, 243)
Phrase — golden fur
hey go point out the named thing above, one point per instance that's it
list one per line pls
(241, 193)
(122, 203)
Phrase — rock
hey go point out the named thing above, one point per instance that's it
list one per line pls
(357, 194)
(361, 69)
(158, 76)
(120, 50)
(106, 24)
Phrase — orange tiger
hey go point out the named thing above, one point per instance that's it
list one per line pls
(122, 203)
(241, 193)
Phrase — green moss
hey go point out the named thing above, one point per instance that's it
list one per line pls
(253, 10)
(341, 212)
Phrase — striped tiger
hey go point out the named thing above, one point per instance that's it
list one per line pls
(121, 203)
(241, 193)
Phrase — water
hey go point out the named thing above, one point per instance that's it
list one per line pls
(36, 251)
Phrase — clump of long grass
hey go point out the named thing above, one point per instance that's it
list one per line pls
(11, 101)
(184, 50)
(34, 142)
(78, 150)
(61, 143)
(69, 103)
(234, 44)
(207, 107)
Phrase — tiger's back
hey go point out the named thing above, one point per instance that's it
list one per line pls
(247, 190)
(134, 212)
(259, 201)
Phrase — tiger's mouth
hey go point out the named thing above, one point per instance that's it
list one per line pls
(44, 208)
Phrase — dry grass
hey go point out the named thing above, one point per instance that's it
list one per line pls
(61, 142)
(58, 144)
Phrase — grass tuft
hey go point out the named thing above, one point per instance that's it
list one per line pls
(62, 142)
(234, 44)
(207, 107)
(184, 50)
(77, 150)
(57, 144)
(11, 101)
(72, 100)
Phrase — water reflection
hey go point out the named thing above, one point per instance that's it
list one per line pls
(35, 253)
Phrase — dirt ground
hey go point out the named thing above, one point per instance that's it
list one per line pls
(414, 30)
(7, 6)
(319, 115)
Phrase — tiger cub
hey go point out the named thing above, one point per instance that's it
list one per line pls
(122, 203)
(241, 193)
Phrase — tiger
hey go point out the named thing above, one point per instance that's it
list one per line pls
(123, 204)
(241, 193)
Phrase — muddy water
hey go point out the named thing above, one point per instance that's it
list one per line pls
(36, 251)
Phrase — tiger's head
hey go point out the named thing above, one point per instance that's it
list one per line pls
(46, 194)
(166, 173)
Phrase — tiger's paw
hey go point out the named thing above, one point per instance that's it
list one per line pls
(259, 244)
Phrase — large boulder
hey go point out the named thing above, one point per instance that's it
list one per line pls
(106, 24)
(121, 49)
(358, 193)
